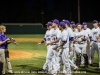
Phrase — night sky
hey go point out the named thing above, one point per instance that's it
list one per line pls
(30, 11)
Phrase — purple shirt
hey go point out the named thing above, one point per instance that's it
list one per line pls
(2, 38)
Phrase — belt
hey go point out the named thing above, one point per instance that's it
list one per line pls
(54, 44)
(95, 41)
(79, 43)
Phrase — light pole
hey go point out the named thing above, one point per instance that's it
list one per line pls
(70, 16)
(42, 13)
(79, 11)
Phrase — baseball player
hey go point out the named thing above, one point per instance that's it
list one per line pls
(47, 39)
(71, 40)
(64, 49)
(72, 23)
(93, 43)
(3, 45)
(80, 45)
(88, 31)
(54, 41)
(72, 53)
(63, 45)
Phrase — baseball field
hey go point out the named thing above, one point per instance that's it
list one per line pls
(28, 57)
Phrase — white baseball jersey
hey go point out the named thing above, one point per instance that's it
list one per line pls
(99, 32)
(64, 37)
(76, 30)
(80, 35)
(55, 35)
(47, 37)
(70, 32)
(95, 32)
(88, 31)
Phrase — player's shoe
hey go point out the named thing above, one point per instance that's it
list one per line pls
(91, 64)
(76, 69)
(42, 70)
(10, 71)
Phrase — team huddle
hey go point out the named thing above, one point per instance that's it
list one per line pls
(70, 45)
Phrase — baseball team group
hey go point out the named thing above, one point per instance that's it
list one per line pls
(70, 46)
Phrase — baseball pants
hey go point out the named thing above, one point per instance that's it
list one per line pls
(81, 50)
(2, 59)
(48, 57)
(73, 55)
(93, 48)
(89, 52)
(55, 62)
(65, 59)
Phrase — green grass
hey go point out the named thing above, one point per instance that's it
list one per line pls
(36, 63)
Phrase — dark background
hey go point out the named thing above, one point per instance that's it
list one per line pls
(42, 11)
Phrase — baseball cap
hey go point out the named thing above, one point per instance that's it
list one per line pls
(49, 23)
(73, 25)
(62, 24)
(82, 26)
(84, 23)
(66, 22)
(72, 22)
(95, 21)
(56, 21)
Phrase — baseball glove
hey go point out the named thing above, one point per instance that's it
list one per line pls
(13, 41)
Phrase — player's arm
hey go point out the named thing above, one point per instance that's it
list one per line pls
(42, 41)
(55, 41)
(59, 46)
(2, 42)
(64, 38)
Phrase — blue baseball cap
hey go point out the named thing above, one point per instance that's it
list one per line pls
(82, 26)
(84, 23)
(66, 22)
(49, 24)
(56, 21)
(62, 24)
(95, 21)
(72, 22)
(73, 25)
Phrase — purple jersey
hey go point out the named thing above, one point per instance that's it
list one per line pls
(2, 38)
